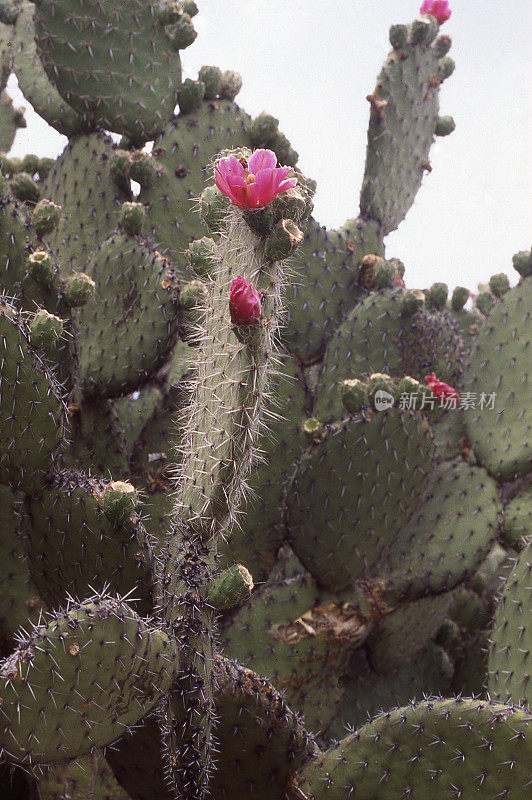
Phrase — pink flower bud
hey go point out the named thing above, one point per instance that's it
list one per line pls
(253, 184)
(436, 8)
(441, 389)
(245, 304)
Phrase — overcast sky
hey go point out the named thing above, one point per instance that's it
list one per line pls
(312, 63)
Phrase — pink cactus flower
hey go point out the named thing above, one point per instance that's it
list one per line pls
(436, 8)
(441, 389)
(245, 304)
(253, 184)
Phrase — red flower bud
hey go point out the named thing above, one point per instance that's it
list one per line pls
(441, 389)
(245, 304)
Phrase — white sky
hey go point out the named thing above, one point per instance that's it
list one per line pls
(312, 63)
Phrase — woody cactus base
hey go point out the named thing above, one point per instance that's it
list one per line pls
(265, 512)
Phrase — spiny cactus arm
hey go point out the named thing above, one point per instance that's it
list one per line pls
(447, 538)
(73, 544)
(86, 51)
(260, 741)
(403, 121)
(79, 679)
(358, 483)
(80, 182)
(441, 744)
(229, 389)
(510, 659)
(144, 329)
(498, 372)
(32, 411)
(33, 81)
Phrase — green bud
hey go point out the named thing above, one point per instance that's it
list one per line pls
(132, 218)
(231, 85)
(380, 382)
(442, 45)
(262, 129)
(354, 395)
(119, 168)
(45, 329)
(190, 95)
(13, 165)
(409, 386)
(446, 68)
(447, 633)
(485, 301)
(24, 188)
(202, 255)
(424, 30)
(191, 295)
(460, 297)
(444, 126)
(119, 501)
(78, 289)
(312, 428)
(411, 302)
(383, 274)
(522, 262)
(170, 12)
(41, 267)
(212, 78)
(282, 241)
(30, 164)
(213, 208)
(398, 37)
(189, 7)
(437, 295)
(142, 168)
(46, 216)
(499, 284)
(231, 588)
(184, 33)
(282, 148)
(45, 165)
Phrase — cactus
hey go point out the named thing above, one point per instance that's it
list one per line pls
(253, 489)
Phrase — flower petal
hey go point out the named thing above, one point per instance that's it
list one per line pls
(262, 159)
(264, 183)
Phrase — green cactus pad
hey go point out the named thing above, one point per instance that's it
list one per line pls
(116, 66)
(510, 659)
(138, 286)
(81, 183)
(79, 779)
(79, 679)
(517, 524)
(325, 287)
(32, 413)
(450, 748)
(96, 439)
(498, 364)
(355, 491)
(19, 602)
(448, 536)
(6, 55)
(184, 152)
(11, 119)
(298, 635)
(368, 691)
(260, 741)
(377, 337)
(72, 547)
(403, 119)
(33, 80)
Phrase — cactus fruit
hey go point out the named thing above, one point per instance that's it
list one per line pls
(229, 433)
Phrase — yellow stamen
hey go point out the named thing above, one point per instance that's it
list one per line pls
(250, 178)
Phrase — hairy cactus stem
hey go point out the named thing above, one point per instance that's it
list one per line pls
(223, 423)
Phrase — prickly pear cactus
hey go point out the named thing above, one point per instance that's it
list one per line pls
(253, 490)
